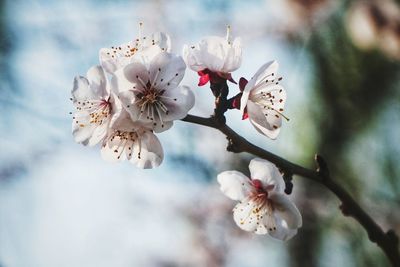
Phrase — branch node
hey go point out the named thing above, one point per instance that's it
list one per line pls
(233, 146)
(322, 167)
(287, 177)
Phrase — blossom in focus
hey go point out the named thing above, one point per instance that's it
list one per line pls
(151, 93)
(94, 105)
(263, 206)
(214, 58)
(131, 141)
(117, 57)
(263, 100)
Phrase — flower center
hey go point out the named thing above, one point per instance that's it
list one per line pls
(95, 112)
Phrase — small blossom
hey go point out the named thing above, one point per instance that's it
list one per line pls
(214, 58)
(263, 100)
(151, 92)
(94, 104)
(263, 206)
(131, 141)
(117, 57)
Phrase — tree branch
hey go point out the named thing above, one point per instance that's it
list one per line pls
(388, 242)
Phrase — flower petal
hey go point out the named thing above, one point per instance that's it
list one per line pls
(117, 57)
(233, 57)
(234, 184)
(166, 69)
(141, 147)
(286, 210)
(261, 123)
(267, 173)
(151, 151)
(178, 101)
(244, 216)
(262, 74)
(282, 232)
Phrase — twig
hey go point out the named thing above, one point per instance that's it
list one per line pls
(388, 242)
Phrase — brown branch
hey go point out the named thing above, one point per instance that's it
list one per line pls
(388, 242)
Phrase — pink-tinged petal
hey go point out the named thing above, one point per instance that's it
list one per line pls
(267, 173)
(261, 123)
(204, 79)
(166, 70)
(178, 101)
(286, 210)
(245, 114)
(282, 232)
(244, 216)
(234, 184)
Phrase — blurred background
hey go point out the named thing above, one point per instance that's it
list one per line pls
(62, 205)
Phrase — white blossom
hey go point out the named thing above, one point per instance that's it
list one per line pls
(119, 56)
(263, 100)
(263, 206)
(214, 56)
(131, 141)
(94, 104)
(151, 93)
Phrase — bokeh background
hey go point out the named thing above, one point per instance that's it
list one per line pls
(62, 205)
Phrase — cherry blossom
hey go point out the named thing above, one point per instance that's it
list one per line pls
(131, 141)
(94, 104)
(263, 100)
(151, 93)
(214, 58)
(263, 206)
(119, 56)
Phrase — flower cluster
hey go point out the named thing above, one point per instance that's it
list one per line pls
(143, 97)
(135, 93)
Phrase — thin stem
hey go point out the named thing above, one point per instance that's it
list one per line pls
(388, 242)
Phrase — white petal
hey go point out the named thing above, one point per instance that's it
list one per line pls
(234, 184)
(98, 82)
(142, 148)
(261, 123)
(133, 76)
(244, 216)
(215, 54)
(166, 69)
(286, 210)
(112, 59)
(233, 57)
(190, 55)
(267, 173)
(178, 101)
(94, 87)
(212, 51)
(282, 232)
(117, 57)
(151, 152)
(83, 130)
(262, 74)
